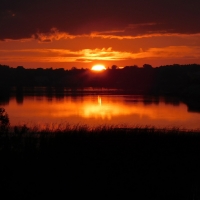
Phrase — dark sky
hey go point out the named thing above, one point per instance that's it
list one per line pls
(24, 18)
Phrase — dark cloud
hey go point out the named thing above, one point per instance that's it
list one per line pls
(22, 18)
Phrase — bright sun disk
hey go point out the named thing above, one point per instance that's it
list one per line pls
(98, 67)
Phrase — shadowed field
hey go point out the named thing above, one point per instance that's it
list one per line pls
(143, 162)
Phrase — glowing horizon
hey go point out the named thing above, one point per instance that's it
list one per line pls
(16, 53)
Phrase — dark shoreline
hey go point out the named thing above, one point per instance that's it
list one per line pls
(181, 80)
(145, 163)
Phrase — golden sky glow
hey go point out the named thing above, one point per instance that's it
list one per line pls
(62, 50)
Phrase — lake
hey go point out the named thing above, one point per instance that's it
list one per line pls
(97, 107)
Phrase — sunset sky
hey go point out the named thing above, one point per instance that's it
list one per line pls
(81, 33)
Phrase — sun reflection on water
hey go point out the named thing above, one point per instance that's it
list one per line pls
(99, 100)
(102, 109)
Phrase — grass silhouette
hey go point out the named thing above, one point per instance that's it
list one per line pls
(144, 162)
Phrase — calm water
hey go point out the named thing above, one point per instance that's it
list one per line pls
(100, 109)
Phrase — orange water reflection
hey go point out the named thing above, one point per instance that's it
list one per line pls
(97, 110)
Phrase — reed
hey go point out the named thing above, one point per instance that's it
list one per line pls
(144, 162)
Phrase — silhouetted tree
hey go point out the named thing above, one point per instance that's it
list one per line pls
(114, 67)
(73, 68)
(20, 68)
(4, 120)
(147, 66)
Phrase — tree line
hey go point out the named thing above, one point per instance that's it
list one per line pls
(168, 79)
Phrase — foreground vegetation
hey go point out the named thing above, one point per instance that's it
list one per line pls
(144, 162)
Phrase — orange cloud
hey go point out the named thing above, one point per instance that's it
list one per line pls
(128, 33)
(54, 34)
(63, 55)
(89, 55)
(171, 52)
(109, 35)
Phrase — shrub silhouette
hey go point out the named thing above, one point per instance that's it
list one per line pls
(4, 120)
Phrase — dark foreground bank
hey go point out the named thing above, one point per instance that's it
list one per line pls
(144, 163)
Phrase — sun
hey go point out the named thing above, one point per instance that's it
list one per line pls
(98, 67)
